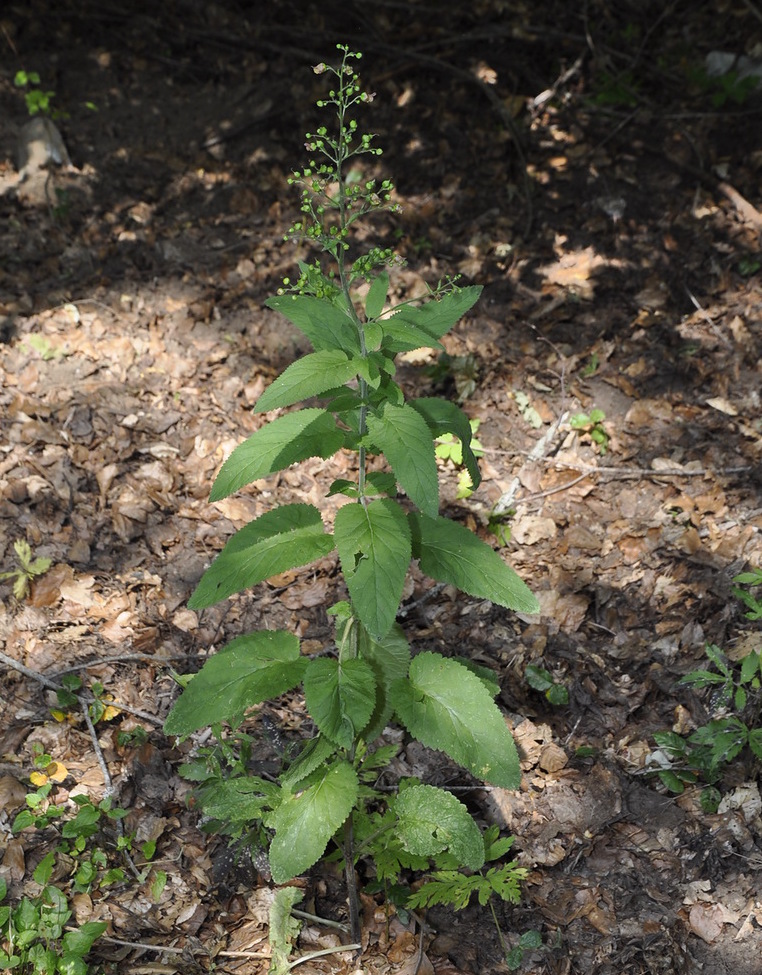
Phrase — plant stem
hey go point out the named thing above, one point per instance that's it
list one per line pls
(353, 899)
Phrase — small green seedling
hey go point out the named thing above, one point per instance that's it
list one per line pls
(542, 680)
(28, 569)
(528, 413)
(38, 101)
(37, 935)
(591, 425)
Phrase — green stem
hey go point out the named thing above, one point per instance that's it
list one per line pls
(342, 154)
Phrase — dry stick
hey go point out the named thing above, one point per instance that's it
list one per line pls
(625, 474)
(540, 450)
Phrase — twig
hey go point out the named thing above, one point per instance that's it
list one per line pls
(33, 675)
(629, 473)
(540, 449)
(320, 921)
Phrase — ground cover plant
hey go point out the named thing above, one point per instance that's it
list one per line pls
(324, 800)
(734, 705)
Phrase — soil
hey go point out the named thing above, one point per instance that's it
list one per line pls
(575, 160)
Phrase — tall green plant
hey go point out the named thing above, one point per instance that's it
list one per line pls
(371, 679)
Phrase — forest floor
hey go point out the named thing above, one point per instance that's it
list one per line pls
(603, 190)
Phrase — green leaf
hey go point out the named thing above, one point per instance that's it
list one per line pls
(239, 800)
(79, 942)
(304, 823)
(389, 658)
(443, 416)
(281, 539)
(538, 678)
(315, 753)
(282, 442)
(404, 436)
(431, 820)
(374, 303)
(449, 552)
(446, 707)
(437, 317)
(340, 697)
(749, 666)
(44, 869)
(373, 542)
(284, 928)
(309, 376)
(400, 335)
(325, 325)
(250, 669)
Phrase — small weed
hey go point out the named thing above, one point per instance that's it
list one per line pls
(529, 941)
(543, 681)
(723, 89)
(748, 266)
(36, 934)
(591, 366)
(460, 370)
(28, 569)
(38, 101)
(591, 426)
(528, 413)
(735, 705)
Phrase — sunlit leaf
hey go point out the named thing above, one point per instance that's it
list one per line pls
(431, 820)
(281, 539)
(446, 707)
(373, 542)
(282, 442)
(449, 552)
(309, 376)
(248, 670)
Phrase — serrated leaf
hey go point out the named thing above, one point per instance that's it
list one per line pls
(374, 303)
(446, 707)
(250, 669)
(449, 552)
(430, 820)
(442, 417)
(20, 586)
(304, 823)
(281, 539)
(340, 697)
(400, 335)
(438, 316)
(325, 325)
(282, 442)
(373, 542)
(284, 929)
(404, 437)
(315, 753)
(309, 376)
(389, 659)
(239, 800)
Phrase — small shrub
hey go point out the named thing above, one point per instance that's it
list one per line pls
(325, 794)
